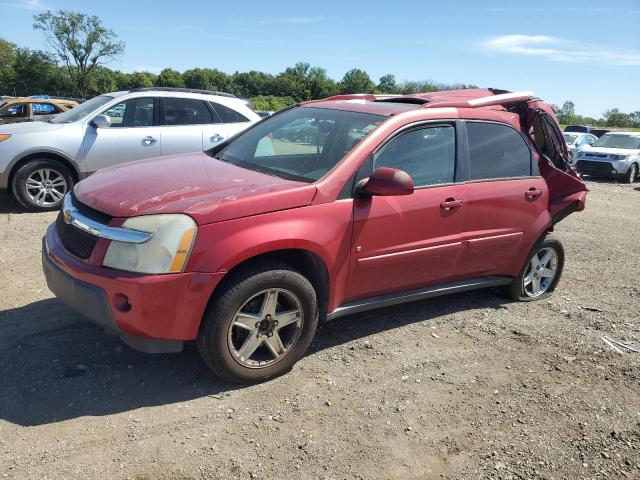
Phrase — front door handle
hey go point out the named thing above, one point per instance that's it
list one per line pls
(533, 193)
(216, 137)
(450, 204)
(149, 140)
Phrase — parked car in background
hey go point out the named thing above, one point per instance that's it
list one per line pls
(598, 132)
(29, 109)
(575, 141)
(244, 249)
(615, 155)
(40, 162)
(577, 129)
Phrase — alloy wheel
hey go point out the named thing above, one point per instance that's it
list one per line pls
(46, 187)
(541, 271)
(265, 328)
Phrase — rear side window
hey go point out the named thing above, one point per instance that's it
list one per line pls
(44, 109)
(228, 115)
(427, 154)
(496, 151)
(185, 111)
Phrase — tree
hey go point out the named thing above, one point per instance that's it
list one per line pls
(207, 79)
(252, 84)
(356, 81)
(270, 103)
(320, 85)
(80, 41)
(615, 118)
(169, 78)
(387, 84)
(7, 57)
(567, 114)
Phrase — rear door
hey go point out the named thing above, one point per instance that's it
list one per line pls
(411, 241)
(188, 125)
(230, 121)
(505, 199)
(133, 135)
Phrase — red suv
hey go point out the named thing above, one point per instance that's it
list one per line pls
(322, 210)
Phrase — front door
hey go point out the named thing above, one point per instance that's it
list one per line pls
(133, 135)
(407, 242)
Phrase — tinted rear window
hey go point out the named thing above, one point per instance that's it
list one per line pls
(228, 115)
(497, 151)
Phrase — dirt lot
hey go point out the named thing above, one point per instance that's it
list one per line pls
(463, 387)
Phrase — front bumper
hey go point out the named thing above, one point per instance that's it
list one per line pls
(151, 313)
(601, 169)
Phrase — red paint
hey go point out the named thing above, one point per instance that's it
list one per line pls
(369, 246)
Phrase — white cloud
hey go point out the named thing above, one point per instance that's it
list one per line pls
(34, 5)
(560, 50)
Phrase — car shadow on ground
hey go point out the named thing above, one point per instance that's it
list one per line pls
(60, 367)
(9, 204)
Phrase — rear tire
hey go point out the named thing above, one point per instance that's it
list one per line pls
(540, 274)
(242, 339)
(631, 174)
(39, 185)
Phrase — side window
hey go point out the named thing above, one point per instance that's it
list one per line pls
(44, 109)
(427, 154)
(137, 112)
(14, 110)
(497, 151)
(185, 111)
(228, 115)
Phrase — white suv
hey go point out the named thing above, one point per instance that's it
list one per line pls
(40, 162)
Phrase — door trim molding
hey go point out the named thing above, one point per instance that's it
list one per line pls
(379, 301)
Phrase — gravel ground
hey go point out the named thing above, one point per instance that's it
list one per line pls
(469, 386)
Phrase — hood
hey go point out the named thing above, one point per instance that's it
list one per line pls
(204, 188)
(29, 127)
(604, 152)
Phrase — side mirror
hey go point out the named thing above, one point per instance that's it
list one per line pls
(386, 182)
(101, 121)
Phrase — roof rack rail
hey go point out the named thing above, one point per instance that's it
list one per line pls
(183, 90)
(500, 99)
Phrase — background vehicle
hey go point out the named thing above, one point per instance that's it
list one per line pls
(577, 129)
(29, 109)
(598, 132)
(615, 155)
(575, 141)
(40, 162)
(245, 249)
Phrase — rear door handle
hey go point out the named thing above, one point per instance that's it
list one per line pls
(533, 193)
(149, 140)
(450, 204)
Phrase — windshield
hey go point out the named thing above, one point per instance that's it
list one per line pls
(569, 138)
(629, 142)
(302, 143)
(82, 110)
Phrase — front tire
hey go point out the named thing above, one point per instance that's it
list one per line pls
(259, 324)
(541, 272)
(40, 185)
(631, 174)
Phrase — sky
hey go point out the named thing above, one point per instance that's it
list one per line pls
(581, 50)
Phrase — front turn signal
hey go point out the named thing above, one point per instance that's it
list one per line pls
(4, 136)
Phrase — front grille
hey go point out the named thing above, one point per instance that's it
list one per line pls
(585, 166)
(596, 155)
(74, 240)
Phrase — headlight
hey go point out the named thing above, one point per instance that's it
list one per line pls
(619, 157)
(167, 251)
(4, 136)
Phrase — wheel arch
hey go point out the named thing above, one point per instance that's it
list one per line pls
(42, 155)
(302, 260)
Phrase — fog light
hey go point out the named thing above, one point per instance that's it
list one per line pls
(121, 302)
(614, 171)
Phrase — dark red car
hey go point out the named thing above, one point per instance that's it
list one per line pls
(383, 200)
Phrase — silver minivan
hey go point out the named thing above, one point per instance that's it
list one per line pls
(41, 161)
